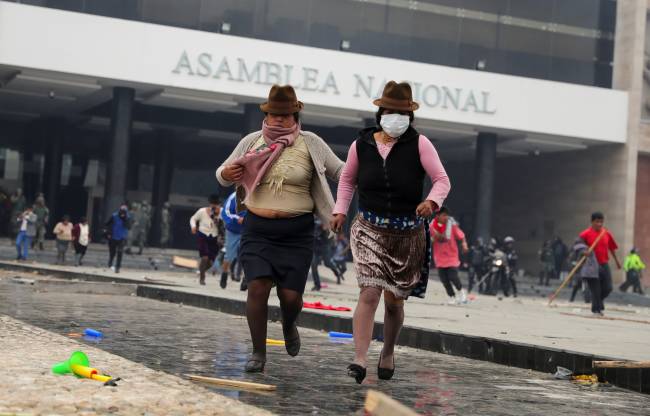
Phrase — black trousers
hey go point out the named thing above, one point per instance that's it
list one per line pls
(600, 288)
(474, 274)
(115, 247)
(322, 254)
(632, 278)
(449, 275)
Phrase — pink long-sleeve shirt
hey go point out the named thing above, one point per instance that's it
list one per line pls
(430, 162)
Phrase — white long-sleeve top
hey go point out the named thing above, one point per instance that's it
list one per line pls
(206, 225)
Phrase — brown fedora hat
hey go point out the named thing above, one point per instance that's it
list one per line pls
(282, 100)
(397, 97)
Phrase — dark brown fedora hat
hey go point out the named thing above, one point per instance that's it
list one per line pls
(282, 100)
(397, 97)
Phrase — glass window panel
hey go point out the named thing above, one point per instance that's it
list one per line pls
(73, 5)
(583, 13)
(434, 51)
(172, 12)
(333, 21)
(527, 64)
(605, 50)
(478, 33)
(239, 13)
(66, 169)
(286, 21)
(531, 9)
(488, 6)
(603, 75)
(124, 9)
(574, 47)
(569, 70)
(12, 164)
(517, 39)
(607, 21)
(470, 55)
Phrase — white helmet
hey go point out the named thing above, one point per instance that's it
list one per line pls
(508, 239)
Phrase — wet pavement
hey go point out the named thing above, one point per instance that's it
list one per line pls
(179, 339)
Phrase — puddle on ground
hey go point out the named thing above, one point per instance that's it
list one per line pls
(185, 340)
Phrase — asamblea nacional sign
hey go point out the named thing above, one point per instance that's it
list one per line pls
(238, 69)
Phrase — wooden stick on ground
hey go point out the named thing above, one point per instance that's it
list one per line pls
(576, 267)
(378, 404)
(185, 262)
(607, 318)
(621, 364)
(231, 383)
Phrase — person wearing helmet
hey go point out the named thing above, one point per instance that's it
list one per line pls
(513, 257)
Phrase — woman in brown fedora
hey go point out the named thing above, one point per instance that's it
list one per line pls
(281, 176)
(389, 238)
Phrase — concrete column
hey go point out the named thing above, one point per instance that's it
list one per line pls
(629, 46)
(116, 170)
(486, 153)
(52, 169)
(253, 118)
(162, 180)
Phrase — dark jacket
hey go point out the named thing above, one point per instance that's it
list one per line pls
(393, 186)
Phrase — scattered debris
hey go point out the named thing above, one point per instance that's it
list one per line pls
(318, 305)
(563, 373)
(89, 332)
(379, 404)
(334, 334)
(621, 364)
(185, 262)
(278, 342)
(79, 365)
(237, 384)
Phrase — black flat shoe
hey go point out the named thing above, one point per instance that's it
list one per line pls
(292, 344)
(385, 373)
(357, 372)
(255, 364)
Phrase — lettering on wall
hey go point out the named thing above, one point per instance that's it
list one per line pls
(223, 68)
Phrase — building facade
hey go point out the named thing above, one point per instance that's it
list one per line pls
(535, 107)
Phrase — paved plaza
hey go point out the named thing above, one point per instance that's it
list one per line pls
(175, 339)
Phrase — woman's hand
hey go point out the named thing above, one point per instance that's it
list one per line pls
(426, 209)
(337, 222)
(232, 173)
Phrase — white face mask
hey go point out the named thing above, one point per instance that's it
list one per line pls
(394, 124)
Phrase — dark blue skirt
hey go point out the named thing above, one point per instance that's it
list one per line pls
(278, 249)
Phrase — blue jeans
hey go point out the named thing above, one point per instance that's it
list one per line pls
(24, 241)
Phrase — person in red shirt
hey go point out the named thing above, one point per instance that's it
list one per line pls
(445, 235)
(600, 288)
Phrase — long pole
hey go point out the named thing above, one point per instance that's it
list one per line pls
(576, 267)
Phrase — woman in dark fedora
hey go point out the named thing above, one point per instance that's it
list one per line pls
(387, 164)
(281, 176)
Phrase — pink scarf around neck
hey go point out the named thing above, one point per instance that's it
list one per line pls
(256, 162)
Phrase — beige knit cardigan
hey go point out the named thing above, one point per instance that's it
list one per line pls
(326, 165)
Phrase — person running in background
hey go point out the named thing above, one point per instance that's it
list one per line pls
(322, 254)
(477, 256)
(446, 234)
(233, 221)
(63, 233)
(633, 266)
(43, 218)
(578, 282)
(117, 233)
(80, 239)
(26, 231)
(601, 287)
(341, 253)
(547, 259)
(204, 225)
(513, 258)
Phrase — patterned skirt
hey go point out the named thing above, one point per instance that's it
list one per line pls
(388, 258)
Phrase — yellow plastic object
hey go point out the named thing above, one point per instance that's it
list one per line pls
(270, 341)
(102, 378)
(88, 372)
(83, 371)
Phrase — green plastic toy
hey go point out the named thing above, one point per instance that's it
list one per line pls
(65, 367)
(79, 365)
